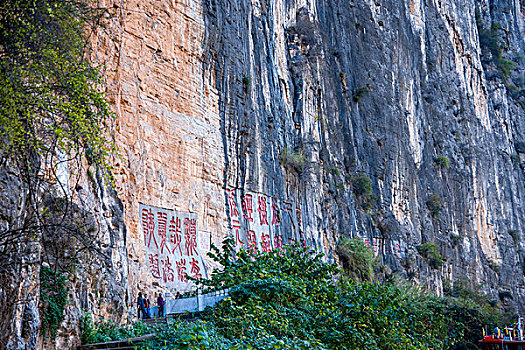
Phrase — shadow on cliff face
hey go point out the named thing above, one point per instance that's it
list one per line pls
(254, 123)
(378, 90)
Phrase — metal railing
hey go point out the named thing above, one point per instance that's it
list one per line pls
(192, 304)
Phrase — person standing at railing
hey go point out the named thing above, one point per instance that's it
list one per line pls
(141, 311)
(160, 304)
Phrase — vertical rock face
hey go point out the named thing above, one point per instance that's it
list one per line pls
(215, 95)
(403, 92)
(304, 101)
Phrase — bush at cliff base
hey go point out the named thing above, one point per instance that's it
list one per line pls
(291, 299)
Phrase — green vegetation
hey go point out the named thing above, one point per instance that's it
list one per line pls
(291, 299)
(48, 90)
(494, 266)
(435, 205)
(360, 92)
(357, 259)
(107, 330)
(246, 81)
(53, 299)
(489, 38)
(472, 310)
(362, 185)
(52, 117)
(516, 236)
(362, 188)
(430, 251)
(293, 160)
(442, 161)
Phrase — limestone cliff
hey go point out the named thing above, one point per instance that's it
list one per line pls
(294, 100)
(234, 109)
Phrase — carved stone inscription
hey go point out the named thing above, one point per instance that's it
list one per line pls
(172, 246)
(265, 222)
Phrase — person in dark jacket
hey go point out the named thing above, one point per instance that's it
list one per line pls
(160, 304)
(141, 307)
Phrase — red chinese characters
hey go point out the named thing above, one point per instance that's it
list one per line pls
(154, 265)
(266, 244)
(278, 242)
(236, 230)
(190, 236)
(175, 234)
(171, 243)
(162, 219)
(247, 207)
(298, 215)
(252, 241)
(195, 269)
(148, 226)
(232, 202)
(167, 270)
(375, 245)
(397, 249)
(262, 209)
(181, 270)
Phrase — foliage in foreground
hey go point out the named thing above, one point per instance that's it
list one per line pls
(53, 119)
(48, 90)
(291, 299)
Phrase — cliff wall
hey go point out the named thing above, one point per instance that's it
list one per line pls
(267, 120)
(295, 101)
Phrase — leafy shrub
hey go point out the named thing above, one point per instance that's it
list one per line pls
(471, 310)
(357, 259)
(293, 160)
(360, 92)
(362, 185)
(53, 298)
(430, 251)
(435, 204)
(506, 67)
(107, 330)
(442, 161)
(490, 39)
(291, 299)
(516, 236)
(494, 266)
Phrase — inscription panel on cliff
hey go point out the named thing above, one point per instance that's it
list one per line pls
(172, 246)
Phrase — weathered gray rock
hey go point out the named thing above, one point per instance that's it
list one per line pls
(383, 89)
(210, 94)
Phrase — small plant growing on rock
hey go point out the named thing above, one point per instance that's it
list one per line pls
(494, 266)
(442, 161)
(293, 160)
(455, 239)
(435, 204)
(430, 251)
(360, 92)
(246, 81)
(53, 300)
(357, 259)
(362, 185)
(515, 234)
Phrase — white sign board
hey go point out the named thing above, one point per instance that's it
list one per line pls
(172, 246)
